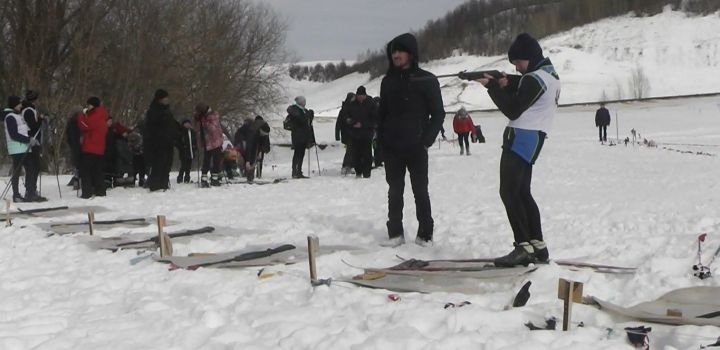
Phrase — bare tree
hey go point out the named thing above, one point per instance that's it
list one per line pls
(639, 83)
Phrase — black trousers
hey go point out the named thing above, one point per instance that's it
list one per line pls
(463, 138)
(602, 130)
(185, 165)
(33, 171)
(298, 157)
(139, 169)
(20, 160)
(348, 158)
(362, 156)
(397, 163)
(92, 175)
(522, 211)
(212, 161)
(160, 165)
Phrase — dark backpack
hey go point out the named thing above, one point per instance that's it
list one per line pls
(288, 124)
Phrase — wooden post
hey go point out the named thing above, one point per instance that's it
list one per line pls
(165, 249)
(8, 221)
(313, 244)
(569, 292)
(91, 222)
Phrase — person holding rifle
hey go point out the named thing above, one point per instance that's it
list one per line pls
(529, 101)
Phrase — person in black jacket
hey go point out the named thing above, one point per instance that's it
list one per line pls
(187, 149)
(72, 137)
(602, 121)
(161, 133)
(410, 116)
(34, 121)
(342, 133)
(302, 133)
(256, 145)
(360, 120)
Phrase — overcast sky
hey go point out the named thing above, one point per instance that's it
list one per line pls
(337, 29)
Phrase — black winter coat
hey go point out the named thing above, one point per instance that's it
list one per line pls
(303, 135)
(363, 113)
(602, 117)
(161, 130)
(187, 142)
(411, 109)
(72, 135)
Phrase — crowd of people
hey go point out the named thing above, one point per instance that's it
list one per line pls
(395, 130)
(105, 153)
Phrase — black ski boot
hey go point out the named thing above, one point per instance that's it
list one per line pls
(541, 252)
(518, 257)
(34, 197)
(215, 180)
(204, 182)
(18, 198)
(180, 179)
(186, 179)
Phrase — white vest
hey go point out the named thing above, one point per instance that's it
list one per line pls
(13, 146)
(540, 114)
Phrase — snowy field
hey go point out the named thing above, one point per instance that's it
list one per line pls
(679, 54)
(633, 206)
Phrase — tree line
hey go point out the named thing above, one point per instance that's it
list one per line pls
(222, 52)
(487, 27)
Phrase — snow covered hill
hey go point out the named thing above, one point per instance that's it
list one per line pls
(677, 53)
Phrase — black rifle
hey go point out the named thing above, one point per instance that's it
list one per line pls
(465, 75)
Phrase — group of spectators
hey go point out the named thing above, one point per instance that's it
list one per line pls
(105, 153)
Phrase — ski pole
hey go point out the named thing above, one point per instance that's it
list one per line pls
(318, 160)
(308, 157)
(57, 178)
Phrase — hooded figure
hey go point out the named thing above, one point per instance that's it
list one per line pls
(410, 116)
(207, 124)
(161, 133)
(342, 133)
(302, 133)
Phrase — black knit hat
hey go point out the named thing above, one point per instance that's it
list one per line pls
(525, 47)
(201, 108)
(160, 94)
(31, 95)
(94, 101)
(13, 101)
(360, 91)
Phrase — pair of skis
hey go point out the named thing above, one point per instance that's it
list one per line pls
(703, 271)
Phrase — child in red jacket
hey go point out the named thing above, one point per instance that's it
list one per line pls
(463, 127)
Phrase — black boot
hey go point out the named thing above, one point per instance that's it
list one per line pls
(518, 257)
(204, 182)
(541, 252)
(215, 180)
(18, 198)
(186, 179)
(179, 179)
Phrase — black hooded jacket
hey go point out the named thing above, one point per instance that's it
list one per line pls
(602, 117)
(161, 129)
(411, 109)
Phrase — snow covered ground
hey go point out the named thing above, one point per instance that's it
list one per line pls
(633, 206)
(679, 54)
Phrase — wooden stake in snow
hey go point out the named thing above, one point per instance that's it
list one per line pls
(8, 222)
(91, 222)
(313, 244)
(569, 292)
(163, 239)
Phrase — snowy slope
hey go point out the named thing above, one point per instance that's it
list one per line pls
(678, 53)
(632, 206)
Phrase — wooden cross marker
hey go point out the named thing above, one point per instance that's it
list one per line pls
(8, 221)
(91, 222)
(569, 292)
(163, 239)
(313, 244)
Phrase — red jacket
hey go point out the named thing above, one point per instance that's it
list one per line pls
(461, 125)
(93, 127)
(209, 129)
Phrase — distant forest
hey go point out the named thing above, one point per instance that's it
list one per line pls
(487, 27)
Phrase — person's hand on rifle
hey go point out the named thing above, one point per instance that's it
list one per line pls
(503, 81)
